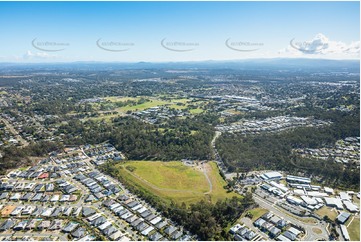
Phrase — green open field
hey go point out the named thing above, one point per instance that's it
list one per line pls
(196, 111)
(181, 100)
(121, 99)
(175, 181)
(326, 211)
(152, 103)
(354, 229)
(140, 107)
(176, 106)
(176, 103)
(257, 212)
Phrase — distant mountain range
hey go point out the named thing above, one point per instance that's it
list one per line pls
(247, 64)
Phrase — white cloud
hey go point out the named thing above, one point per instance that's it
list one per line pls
(321, 46)
(38, 55)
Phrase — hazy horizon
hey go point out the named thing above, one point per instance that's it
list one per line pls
(177, 31)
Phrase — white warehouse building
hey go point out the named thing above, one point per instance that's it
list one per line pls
(273, 175)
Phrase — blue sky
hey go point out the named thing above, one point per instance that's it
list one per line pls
(192, 31)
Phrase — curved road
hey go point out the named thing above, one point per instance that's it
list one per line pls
(310, 234)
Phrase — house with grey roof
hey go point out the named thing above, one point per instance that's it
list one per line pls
(79, 233)
(132, 219)
(57, 212)
(259, 222)
(282, 223)
(31, 224)
(250, 235)
(343, 217)
(136, 222)
(45, 224)
(161, 224)
(176, 235)
(88, 211)
(67, 211)
(141, 226)
(21, 225)
(56, 224)
(8, 224)
(116, 236)
(274, 231)
(104, 225)
(150, 217)
(37, 197)
(267, 216)
(121, 212)
(170, 229)
(4, 195)
(109, 231)
(70, 227)
(290, 235)
(155, 237)
(145, 214)
(282, 238)
(132, 204)
(98, 221)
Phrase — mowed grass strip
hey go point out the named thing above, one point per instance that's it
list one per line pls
(354, 229)
(173, 181)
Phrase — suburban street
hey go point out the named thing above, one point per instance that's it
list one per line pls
(21, 234)
(15, 132)
(310, 235)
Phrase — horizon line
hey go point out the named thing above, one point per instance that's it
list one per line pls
(187, 61)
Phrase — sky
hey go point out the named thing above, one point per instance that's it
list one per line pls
(177, 31)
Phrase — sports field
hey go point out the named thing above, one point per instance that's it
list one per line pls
(176, 181)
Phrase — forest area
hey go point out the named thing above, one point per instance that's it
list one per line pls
(274, 151)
